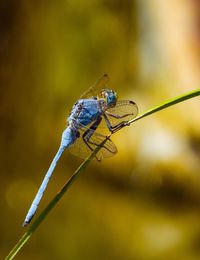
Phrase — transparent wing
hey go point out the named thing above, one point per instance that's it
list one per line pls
(83, 149)
(124, 110)
(95, 89)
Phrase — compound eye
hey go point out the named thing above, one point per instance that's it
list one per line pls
(102, 93)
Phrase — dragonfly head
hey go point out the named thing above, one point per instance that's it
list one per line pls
(109, 96)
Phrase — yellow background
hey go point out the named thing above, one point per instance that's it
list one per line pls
(144, 203)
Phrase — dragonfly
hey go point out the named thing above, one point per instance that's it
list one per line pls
(98, 108)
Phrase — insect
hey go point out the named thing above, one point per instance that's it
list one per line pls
(97, 106)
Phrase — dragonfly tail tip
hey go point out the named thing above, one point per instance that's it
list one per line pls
(25, 223)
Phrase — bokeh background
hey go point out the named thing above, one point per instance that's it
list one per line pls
(144, 203)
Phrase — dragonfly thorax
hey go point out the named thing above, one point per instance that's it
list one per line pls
(109, 97)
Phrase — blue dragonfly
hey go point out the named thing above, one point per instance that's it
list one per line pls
(97, 109)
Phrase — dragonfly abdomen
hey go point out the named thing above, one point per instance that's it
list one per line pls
(69, 136)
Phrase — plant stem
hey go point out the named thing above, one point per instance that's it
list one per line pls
(52, 204)
(160, 107)
(166, 104)
(76, 174)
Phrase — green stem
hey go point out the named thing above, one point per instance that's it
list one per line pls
(166, 104)
(68, 184)
(51, 205)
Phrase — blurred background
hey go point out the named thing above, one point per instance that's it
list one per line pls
(144, 203)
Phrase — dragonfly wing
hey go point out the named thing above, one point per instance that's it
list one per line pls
(124, 110)
(95, 89)
(83, 149)
(107, 150)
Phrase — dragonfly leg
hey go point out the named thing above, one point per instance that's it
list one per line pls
(114, 128)
(118, 116)
(89, 132)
